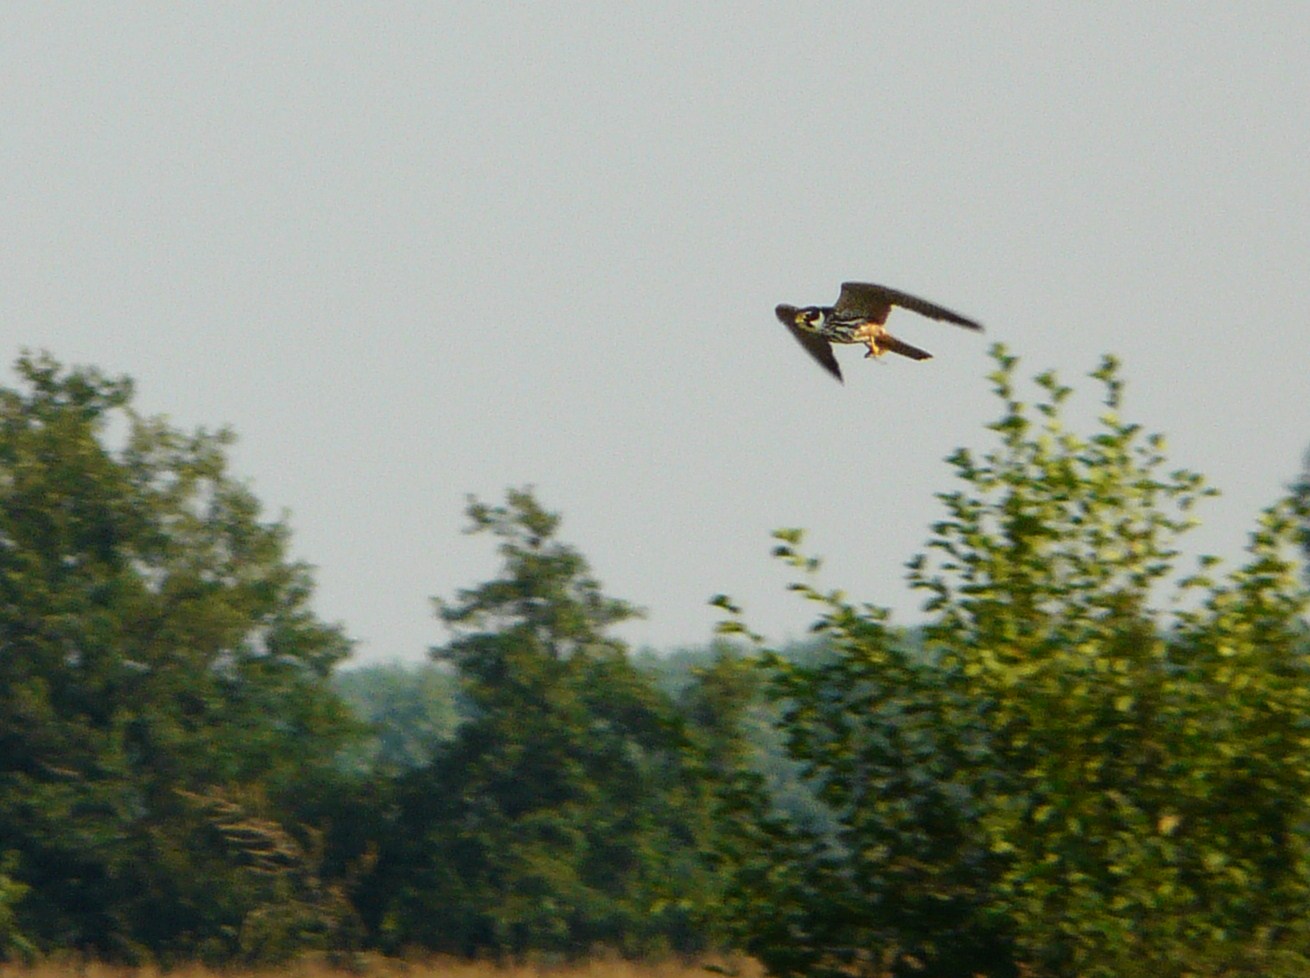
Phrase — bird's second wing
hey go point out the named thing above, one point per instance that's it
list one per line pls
(875, 301)
(864, 300)
(819, 348)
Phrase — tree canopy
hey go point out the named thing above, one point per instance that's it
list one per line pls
(1089, 759)
(1093, 763)
(565, 813)
(163, 692)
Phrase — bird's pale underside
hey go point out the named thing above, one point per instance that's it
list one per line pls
(860, 316)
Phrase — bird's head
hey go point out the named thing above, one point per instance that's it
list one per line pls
(808, 318)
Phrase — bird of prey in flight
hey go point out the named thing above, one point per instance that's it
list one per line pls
(860, 316)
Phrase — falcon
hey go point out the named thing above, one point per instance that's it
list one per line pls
(860, 316)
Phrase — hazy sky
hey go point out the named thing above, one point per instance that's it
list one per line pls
(412, 251)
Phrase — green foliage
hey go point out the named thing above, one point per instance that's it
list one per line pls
(410, 712)
(1063, 779)
(156, 642)
(735, 706)
(1086, 763)
(1150, 780)
(13, 943)
(561, 816)
(294, 908)
(1300, 502)
(894, 879)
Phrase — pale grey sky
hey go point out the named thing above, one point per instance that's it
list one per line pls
(410, 251)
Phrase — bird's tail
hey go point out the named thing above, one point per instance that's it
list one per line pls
(892, 344)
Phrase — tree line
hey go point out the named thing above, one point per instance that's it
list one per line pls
(1089, 760)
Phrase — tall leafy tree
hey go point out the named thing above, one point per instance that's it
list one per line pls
(1149, 765)
(562, 815)
(1095, 762)
(156, 649)
(890, 877)
(1300, 500)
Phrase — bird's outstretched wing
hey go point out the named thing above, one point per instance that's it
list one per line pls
(874, 302)
(819, 348)
(816, 346)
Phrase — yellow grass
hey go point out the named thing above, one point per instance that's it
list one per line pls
(371, 966)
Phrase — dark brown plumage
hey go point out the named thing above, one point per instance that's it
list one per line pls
(859, 317)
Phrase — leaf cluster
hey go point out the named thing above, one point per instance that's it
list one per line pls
(155, 644)
(1091, 762)
(571, 808)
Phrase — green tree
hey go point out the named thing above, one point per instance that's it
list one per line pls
(13, 943)
(890, 877)
(410, 712)
(735, 764)
(1070, 776)
(155, 644)
(562, 815)
(1151, 768)
(1300, 499)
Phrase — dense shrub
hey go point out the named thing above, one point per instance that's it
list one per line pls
(1094, 764)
